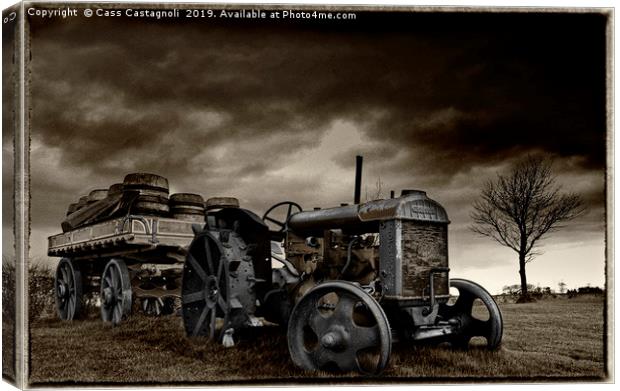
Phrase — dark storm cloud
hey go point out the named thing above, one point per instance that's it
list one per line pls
(465, 94)
(440, 99)
(119, 101)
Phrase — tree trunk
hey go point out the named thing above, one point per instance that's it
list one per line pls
(522, 274)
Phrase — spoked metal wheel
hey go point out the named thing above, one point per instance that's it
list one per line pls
(338, 326)
(68, 289)
(467, 316)
(153, 306)
(275, 215)
(115, 292)
(205, 289)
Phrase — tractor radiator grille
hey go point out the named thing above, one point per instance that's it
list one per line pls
(424, 246)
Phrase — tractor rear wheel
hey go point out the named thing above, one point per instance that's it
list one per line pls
(205, 288)
(217, 294)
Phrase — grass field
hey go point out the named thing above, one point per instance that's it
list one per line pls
(8, 344)
(550, 339)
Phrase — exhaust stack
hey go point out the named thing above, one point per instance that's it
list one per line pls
(358, 179)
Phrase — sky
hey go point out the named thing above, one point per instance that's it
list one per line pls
(273, 110)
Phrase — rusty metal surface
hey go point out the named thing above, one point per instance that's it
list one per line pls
(425, 246)
(218, 282)
(408, 251)
(328, 314)
(324, 218)
(390, 257)
(351, 258)
(412, 206)
(467, 326)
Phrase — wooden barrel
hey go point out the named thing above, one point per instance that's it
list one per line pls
(188, 207)
(153, 189)
(149, 204)
(221, 202)
(143, 181)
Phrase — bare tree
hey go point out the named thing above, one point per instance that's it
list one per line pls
(562, 287)
(517, 210)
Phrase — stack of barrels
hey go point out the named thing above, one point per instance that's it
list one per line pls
(188, 207)
(152, 199)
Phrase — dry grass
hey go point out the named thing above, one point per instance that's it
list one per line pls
(553, 339)
(8, 344)
(8, 319)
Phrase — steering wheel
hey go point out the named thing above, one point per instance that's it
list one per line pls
(282, 224)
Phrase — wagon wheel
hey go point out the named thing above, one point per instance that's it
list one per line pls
(152, 306)
(337, 325)
(469, 326)
(281, 224)
(68, 289)
(115, 292)
(156, 306)
(204, 292)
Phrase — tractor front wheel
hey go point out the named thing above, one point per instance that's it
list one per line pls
(339, 326)
(464, 314)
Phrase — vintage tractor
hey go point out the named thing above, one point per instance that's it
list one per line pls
(353, 280)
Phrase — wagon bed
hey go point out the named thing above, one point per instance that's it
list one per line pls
(133, 233)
